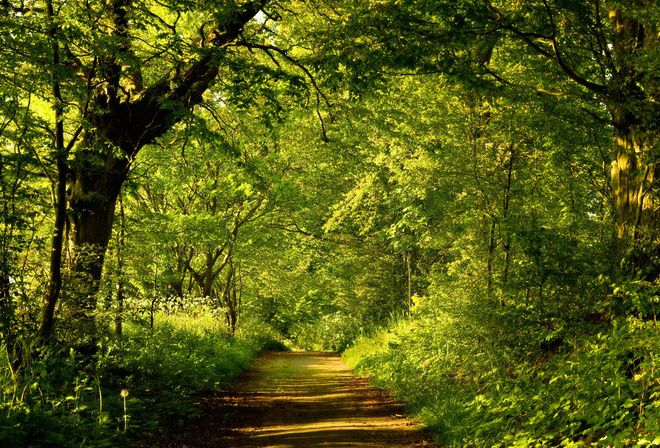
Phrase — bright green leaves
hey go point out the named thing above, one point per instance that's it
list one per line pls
(336, 165)
(600, 393)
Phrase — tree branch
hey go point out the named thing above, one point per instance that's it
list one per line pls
(292, 60)
(556, 57)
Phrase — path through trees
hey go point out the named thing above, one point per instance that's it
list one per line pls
(299, 399)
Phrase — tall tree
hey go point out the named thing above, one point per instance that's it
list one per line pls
(127, 72)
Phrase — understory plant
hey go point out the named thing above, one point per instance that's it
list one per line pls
(598, 386)
(126, 387)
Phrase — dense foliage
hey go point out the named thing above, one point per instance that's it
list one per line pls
(461, 195)
(130, 387)
(597, 388)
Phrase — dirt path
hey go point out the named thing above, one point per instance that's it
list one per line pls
(299, 400)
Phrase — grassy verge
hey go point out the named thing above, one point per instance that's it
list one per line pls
(128, 387)
(596, 388)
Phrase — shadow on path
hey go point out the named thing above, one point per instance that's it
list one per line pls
(294, 399)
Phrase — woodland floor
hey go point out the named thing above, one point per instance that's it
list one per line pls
(294, 399)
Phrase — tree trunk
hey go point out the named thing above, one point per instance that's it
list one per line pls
(635, 117)
(154, 300)
(92, 199)
(407, 255)
(229, 299)
(119, 313)
(55, 269)
(208, 273)
(634, 170)
(176, 276)
(490, 257)
(506, 204)
(6, 305)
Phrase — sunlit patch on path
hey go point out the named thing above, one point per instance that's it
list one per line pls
(301, 400)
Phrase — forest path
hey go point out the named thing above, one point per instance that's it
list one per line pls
(298, 399)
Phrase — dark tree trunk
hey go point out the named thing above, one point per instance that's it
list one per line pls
(55, 270)
(119, 313)
(635, 114)
(229, 298)
(6, 306)
(176, 276)
(92, 199)
(208, 273)
(506, 204)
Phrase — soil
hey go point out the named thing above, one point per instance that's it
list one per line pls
(294, 399)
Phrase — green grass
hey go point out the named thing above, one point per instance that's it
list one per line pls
(367, 345)
(598, 389)
(128, 388)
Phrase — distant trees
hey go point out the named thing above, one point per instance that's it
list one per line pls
(195, 211)
(597, 56)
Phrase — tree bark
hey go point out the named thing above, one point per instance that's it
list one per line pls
(177, 275)
(635, 115)
(119, 313)
(91, 199)
(229, 298)
(55, 269)
(8, 198)
(630, 90)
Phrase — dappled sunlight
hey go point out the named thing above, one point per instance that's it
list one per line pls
(313, 399)
(461, 198)
(362, 424)
(303, 400)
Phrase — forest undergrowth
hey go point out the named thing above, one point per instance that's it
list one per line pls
(593, 384)
(131, 386)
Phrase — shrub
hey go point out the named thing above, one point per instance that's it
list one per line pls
(597, 389)
(64, 398)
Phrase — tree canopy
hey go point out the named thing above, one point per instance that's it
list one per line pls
(478, 174)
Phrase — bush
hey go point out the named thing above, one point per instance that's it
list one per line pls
(64, 398)
(597, 389)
